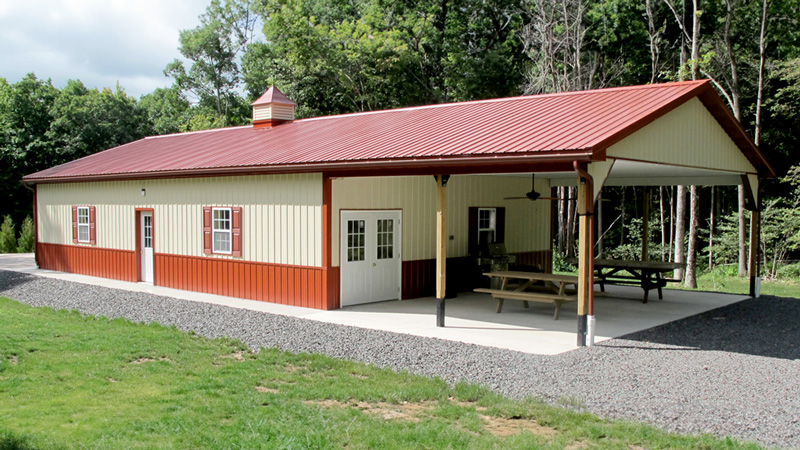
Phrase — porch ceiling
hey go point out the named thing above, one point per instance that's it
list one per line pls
(637, 173)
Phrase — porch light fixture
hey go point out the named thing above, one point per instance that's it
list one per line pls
(144, 192)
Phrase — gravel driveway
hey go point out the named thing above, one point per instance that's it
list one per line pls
(731, 371)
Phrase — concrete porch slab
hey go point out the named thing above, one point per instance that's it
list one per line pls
(470, 317)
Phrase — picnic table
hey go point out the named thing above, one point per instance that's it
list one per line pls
(534, 287)
(646, 274)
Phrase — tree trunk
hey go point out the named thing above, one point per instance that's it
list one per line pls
(571, 222)
(694, 222)
(562, 219)
(599, 210)
(742, 235)
(711, 228)
(680, 230)
(661, 207)
(762, 47)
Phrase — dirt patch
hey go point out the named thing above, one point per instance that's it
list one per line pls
(13, 359)
(635, 447)
(238, 356)
(509, 426)
(415, 411)
(143, 360)
(111, 380)
(266, 389)
(580, 445)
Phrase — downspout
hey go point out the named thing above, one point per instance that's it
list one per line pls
(589, 325)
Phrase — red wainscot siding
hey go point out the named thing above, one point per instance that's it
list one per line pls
(88, 260)
(275, 283)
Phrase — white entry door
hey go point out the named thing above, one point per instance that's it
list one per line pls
(370, 262)
(146, 242)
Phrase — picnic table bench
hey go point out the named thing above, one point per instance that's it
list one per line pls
(551, 288)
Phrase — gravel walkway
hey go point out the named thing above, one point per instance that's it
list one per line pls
(732, 371)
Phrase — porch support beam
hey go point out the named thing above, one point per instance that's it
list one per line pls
(585, 256)
(441, 246)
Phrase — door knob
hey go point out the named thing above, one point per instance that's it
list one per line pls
(374, 264)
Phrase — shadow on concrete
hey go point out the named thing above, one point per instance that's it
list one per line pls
(767, 326)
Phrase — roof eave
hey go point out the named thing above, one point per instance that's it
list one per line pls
(417, 166)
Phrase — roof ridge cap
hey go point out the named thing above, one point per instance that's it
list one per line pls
(507, 99)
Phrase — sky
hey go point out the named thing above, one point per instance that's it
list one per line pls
(100, 42)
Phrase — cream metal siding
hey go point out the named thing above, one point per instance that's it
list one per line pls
(265, 112)
(281, 214)
(692, 137)
(527, 223)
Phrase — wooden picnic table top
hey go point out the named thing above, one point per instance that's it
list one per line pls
(633, 264)
(536, 276)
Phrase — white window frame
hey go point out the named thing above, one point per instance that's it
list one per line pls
(215, 230)
(86, 226)
(492, 225)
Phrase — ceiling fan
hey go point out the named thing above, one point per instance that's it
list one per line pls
(533, 195)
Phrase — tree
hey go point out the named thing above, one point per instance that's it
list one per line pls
(339, 57)
(25, 118)
(87, 121)
(166, 110)
(213, 78)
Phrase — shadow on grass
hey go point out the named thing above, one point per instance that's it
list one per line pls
(766, 326)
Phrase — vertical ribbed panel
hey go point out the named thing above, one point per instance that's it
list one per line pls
(281, 214)
(527, 223)
(693, 137)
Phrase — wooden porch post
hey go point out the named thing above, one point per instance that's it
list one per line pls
(441, 246)
(585, 256)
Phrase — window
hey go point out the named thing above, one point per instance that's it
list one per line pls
(83, 225)
(222, 230)
(486, 225)
(385, 238)
(355, 240)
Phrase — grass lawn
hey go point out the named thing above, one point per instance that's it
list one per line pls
(69, 381)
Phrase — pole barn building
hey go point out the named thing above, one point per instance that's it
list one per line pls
(334, 211)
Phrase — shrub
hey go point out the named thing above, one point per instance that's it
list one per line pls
(27, 237)
(8, 237)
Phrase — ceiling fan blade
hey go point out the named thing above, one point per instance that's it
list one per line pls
(515, 198)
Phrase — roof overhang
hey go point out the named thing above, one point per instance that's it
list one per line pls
(419, 166)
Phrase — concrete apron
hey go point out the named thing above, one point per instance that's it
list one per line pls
(470, 317)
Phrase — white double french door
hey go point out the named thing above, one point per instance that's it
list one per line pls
(370, 262)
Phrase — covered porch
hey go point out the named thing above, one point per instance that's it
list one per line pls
(471, 318)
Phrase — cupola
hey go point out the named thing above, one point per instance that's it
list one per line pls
(271, 109)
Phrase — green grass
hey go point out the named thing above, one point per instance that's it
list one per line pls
(69, 381)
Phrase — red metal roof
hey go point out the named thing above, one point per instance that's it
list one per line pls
(520, 130)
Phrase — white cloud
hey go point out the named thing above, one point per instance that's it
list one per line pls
(100, 42)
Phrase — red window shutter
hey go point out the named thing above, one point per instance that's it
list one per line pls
(92, 229)
(207, 230)
(236, 231)
(74, 224)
